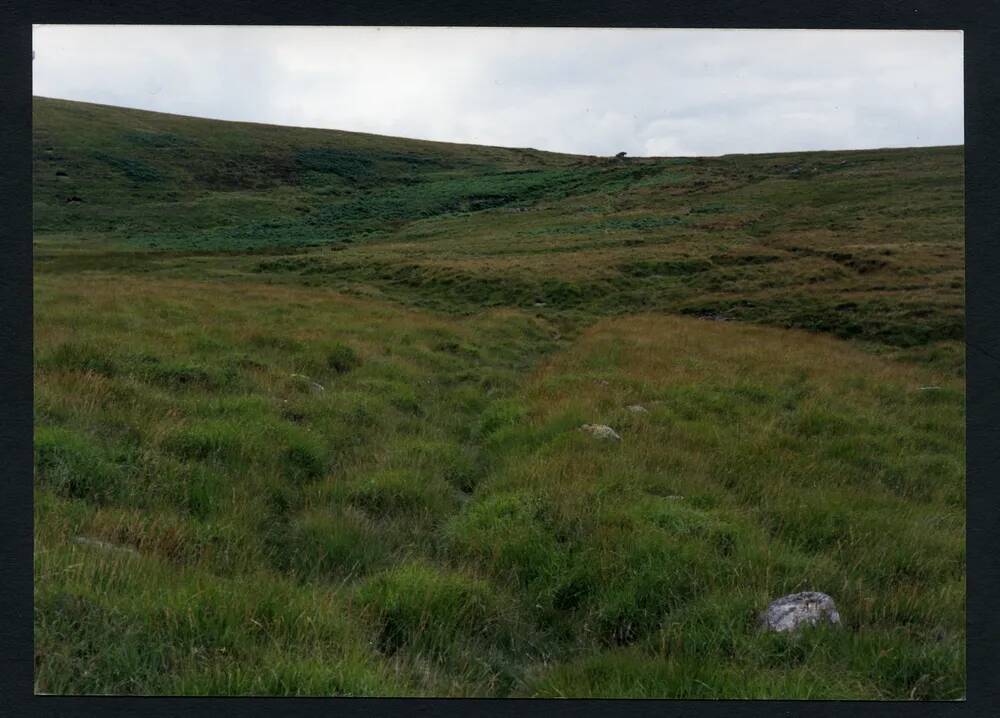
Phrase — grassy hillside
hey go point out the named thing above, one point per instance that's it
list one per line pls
(307, 410)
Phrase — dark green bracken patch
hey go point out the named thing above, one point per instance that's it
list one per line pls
(157, 140)
(342, 358)
(134, 169)
(893, 325)
(665, 268)
(347, 164)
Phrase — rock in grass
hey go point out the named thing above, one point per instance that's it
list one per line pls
(104, 545)
(789, 613)
(637, 409)
(312, 386)
(600, 431)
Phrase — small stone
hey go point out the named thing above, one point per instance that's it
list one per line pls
(637, 409)
(314, 387)
(600, 431)
(808, 608)
(103, 545)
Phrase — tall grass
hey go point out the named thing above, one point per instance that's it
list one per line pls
(307, 411)
(473, 540)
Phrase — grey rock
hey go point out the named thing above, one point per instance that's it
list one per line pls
(600, 431)
(637, 409)
(789, 613)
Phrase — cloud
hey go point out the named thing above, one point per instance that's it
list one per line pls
(588, 91)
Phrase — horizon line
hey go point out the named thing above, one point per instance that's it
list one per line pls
(503, 147)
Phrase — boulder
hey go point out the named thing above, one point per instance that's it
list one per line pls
(808, 608)
(600, 431)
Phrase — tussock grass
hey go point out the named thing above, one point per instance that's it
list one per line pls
(307, 411)
(478, 542)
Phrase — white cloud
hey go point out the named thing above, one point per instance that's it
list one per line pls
(586, 91)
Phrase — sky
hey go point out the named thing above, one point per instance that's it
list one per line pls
(584, 91)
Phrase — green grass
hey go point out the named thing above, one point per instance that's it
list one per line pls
(318, 394)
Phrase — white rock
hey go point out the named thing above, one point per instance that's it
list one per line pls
(789, 613)
(600, 431)
(314, 387)
(637, 409)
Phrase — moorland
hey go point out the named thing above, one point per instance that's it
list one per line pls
(308, 408)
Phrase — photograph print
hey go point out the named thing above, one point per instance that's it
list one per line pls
(498, 362)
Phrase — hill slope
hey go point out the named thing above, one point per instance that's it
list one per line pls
(864, 245)
(307, 407)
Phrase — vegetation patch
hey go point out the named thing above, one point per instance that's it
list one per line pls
(424, 609)
(313, 400)
(668, 268)
(158, 140)
(72, 465)
(341, 358)
(134, 169)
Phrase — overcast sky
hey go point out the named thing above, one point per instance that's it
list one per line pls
(647, 92)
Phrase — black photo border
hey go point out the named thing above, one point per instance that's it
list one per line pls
(977, 20)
